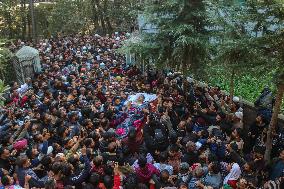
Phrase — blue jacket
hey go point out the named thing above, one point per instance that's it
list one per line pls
(35, 181)
(44, 147)
(78, 179)
(192, 183)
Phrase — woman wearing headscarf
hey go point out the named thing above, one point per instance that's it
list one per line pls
(233, 176)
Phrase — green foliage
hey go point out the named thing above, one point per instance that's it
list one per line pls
(234, 46)
(121, 14)
(42, 14)
(181, 40)
(69, 16)
(105, 16)
(10, 18)
(252, 45)
(268, 17)
(247, 86)
(15, 18)
(137, 44)
(3, 89)
(5, 55)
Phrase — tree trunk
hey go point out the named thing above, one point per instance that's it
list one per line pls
(183, 66)
(2, 75)
(29, 23)
(103, 25)
(232, 86)
(273, 122)
(186, 60)
(109, 26)
(95, 13)
(106, 18)
(33, 20)
(101, 16)
(9, 22)
(24, 23)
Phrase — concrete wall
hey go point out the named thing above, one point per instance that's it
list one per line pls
(250, 113)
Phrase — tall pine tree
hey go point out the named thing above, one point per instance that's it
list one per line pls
(268, 20)
(181, 40)
(234, 48)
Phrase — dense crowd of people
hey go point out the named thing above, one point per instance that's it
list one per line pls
(74, 126)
